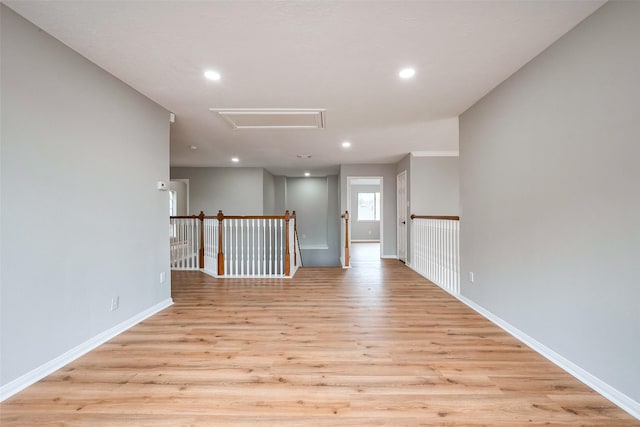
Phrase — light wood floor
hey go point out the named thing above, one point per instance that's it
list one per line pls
(360, 347)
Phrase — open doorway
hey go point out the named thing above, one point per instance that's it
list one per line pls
(364, 203)
(179, 197)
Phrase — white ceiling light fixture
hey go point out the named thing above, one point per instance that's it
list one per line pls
(346, 144)
(212, 75)
(193, 147)
(235, 159)
(407, 73)
(303, 156)
(307, 174)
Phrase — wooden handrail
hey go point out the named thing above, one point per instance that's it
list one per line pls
(453, 218)
(228, 217)
(345, 215)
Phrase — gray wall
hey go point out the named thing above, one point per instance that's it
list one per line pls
(435, 188)
(235, 191)
(269, 194)
(388, 172)
(550, 198)
(82, 220)
(363, 230)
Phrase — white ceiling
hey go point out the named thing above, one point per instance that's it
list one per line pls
(341, 56)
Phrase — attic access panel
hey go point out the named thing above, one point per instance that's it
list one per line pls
(272, 118)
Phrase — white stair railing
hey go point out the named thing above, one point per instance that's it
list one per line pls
(253, 246)
(235, 246)
(435, 250)
(210, 245)
(184, 241)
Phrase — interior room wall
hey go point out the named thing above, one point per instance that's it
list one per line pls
(81, 219)
(363, 230)
(234, 190)
(549, 198)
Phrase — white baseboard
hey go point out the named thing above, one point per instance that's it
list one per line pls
(342, 263)
(389, 256)
(365, 241)
(617, 397)
(53, 365)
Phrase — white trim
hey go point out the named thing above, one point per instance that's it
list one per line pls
(185, 181)
(342, 263)
(617, 397)
(53, 365)
(450, 153)
(381, 221)
(365, 241)
(389, 256)
(229, 113)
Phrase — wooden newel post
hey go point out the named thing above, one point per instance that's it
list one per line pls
(287, 255)
(346, 239)
(220, 217)
(201, 251)
(295, 239)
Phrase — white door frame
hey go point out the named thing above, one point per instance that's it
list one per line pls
(186, 181)
(354, 214)
(402, 206)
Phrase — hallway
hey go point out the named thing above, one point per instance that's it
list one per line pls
(371, 345)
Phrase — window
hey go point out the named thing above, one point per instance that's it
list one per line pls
(368, 206)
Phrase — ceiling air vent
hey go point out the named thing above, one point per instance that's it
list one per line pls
(273, 118)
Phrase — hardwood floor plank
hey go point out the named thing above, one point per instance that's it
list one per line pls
(374, 345)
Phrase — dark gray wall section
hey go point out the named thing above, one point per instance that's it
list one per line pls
(280, 193)
(550, 197)
(388, 172)
(314, 199)
(309, 198)
(235, 191)
(81, 218)
(363, 230)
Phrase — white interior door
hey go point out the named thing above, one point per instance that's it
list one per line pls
(402, 216)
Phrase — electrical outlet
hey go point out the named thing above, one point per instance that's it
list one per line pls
(471, 278)
(163, 277)
(115, 303)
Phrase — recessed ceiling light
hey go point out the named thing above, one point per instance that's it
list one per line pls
(235, 159)
(307, 174)
(346, 144)
(407, 73)
(303, 156)
(193, 147)
(212, 75)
